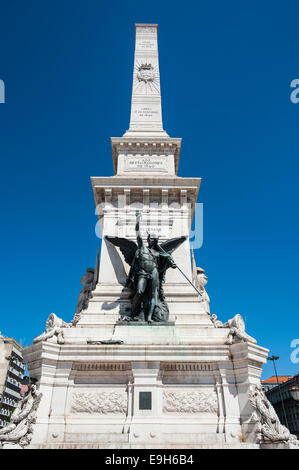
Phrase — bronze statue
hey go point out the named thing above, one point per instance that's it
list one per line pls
(147, 273)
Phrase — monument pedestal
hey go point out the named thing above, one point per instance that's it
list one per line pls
(153, 390)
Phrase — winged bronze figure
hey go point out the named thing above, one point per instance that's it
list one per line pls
(147, 273)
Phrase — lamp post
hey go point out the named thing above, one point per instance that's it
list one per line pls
(275, 358)
(294, 391)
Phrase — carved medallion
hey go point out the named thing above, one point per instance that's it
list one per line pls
(146, 73)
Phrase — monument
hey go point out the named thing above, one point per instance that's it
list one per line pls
(143, 363)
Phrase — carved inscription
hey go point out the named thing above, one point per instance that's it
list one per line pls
(145, 163)
(146, 112)
(146, 44)
(128, 231)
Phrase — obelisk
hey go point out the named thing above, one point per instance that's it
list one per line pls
(146, 112)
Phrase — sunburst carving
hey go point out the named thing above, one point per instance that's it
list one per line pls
(146, 77)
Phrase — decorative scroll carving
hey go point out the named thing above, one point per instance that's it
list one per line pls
(105, 402)
(20, 429)
(54, 327)
(189, 402)
(269, 425)
(236, 327)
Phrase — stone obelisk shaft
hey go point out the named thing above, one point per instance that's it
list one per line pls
(146, 112)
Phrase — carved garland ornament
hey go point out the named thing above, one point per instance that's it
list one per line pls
(189, 402)
(105, 402)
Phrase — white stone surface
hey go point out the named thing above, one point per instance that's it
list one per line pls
(181, 371)
(146, 112)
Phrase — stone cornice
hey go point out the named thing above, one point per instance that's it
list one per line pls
(146, 182)
(122, 183)
(162, 182)
(49, 352)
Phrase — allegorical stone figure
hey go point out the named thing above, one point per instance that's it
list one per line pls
(201, 282)
(269, 428)
(89, 281)
(20, 428)
(147, 274)
(54, 327)
(236, 327)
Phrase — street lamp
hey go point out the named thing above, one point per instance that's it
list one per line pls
(275, 358)
(294, 391)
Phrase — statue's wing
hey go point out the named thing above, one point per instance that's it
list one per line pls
(127, 247)
(170, 245)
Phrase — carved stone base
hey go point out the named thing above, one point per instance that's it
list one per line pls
(151, 391)
(278, 445)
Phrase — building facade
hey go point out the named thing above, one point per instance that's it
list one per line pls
(273, 381)
(11, 377)
(284, 403)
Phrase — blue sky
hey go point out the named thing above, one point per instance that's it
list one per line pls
(226, 69)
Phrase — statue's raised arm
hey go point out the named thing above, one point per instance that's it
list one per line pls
(137, 229)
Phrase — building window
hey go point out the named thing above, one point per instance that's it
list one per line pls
(145, 400)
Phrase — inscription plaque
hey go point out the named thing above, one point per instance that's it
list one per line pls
(145, 163)
(145, 400)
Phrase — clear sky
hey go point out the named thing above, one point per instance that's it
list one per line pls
(226, 69)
